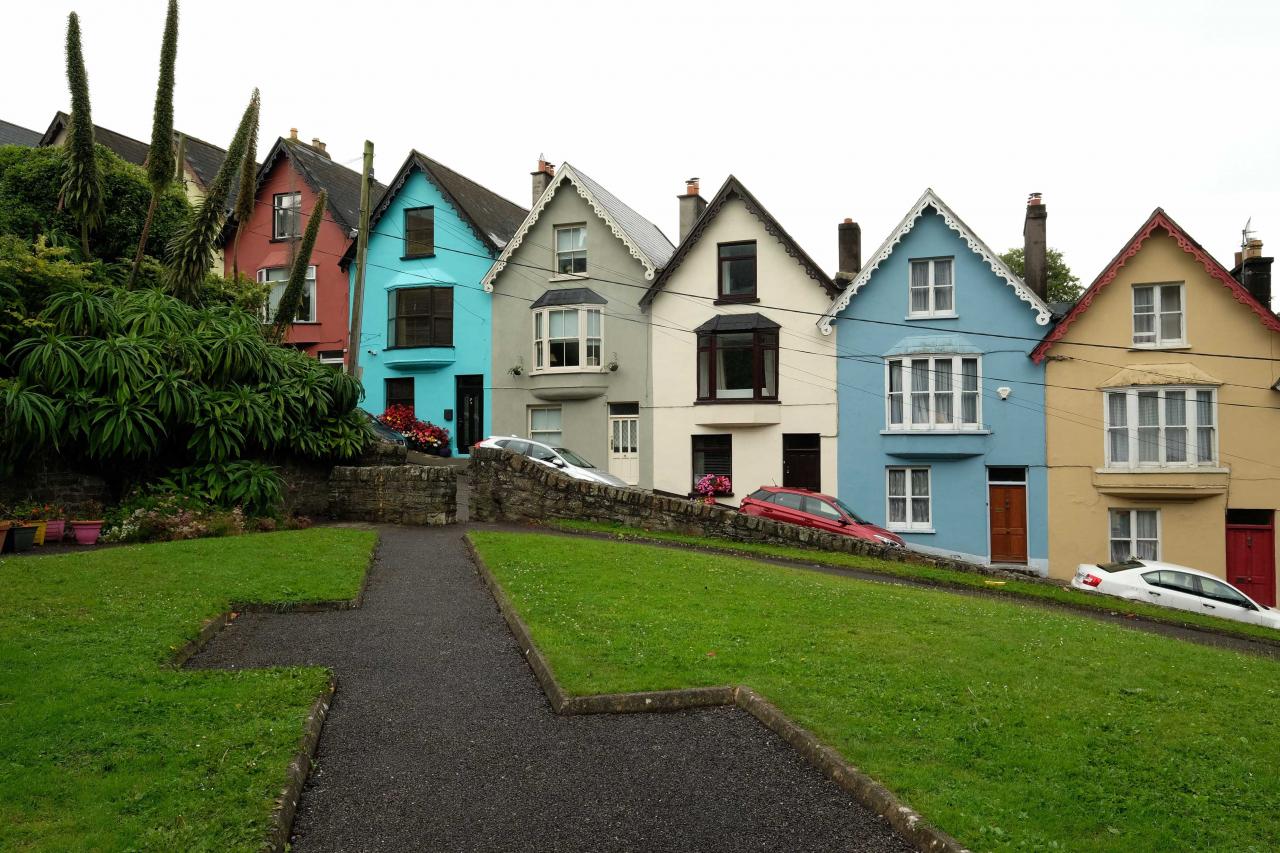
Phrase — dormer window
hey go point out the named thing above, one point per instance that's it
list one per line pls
(932, 288)
(1158, 316)
(571, 250)
(737, 272)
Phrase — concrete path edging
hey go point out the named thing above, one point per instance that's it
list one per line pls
(907, 822)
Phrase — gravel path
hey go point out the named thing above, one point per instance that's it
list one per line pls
(440, 739)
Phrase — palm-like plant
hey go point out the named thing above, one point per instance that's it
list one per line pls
(81, 311)
(120, 362)
(153, 312)
(291, 300)
(218, 434)
(173, 396)
(122, 428)
(29, 420)
(160, 158)
(81, 181)
(50, 360)
(233, 351)
(257, 417)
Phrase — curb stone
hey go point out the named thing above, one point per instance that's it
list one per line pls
(907, 822)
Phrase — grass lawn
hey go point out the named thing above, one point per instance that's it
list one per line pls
(1011, 727)
(948, 577)
(103, 745)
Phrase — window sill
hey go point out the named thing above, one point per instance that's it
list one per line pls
(893, 529)
(736, 300)
(1182, 345)
(738, 401)
(417, 257)
(1165, 469)
(281, 239)
(695, 496)
(562, 371)
(417, 346)
(949, 315)
(295, 323)
(947, 431)
(570, 277)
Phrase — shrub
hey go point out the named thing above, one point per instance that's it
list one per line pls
(419, 435)
(252, 485)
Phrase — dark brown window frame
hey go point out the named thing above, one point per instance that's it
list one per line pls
(707, 344)
(397, 380)
(723, 298)
(393, 316)
(693, 445)
(408, 254)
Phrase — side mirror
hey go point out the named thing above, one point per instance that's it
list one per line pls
(844, 522)
(559, 463)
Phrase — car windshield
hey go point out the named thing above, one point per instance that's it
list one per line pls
(849, 512)
(573, 458)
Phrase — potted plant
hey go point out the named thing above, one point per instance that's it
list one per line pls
(55, 520)
(710, 485)
(86, 530)
(20, 536)
(34, 513)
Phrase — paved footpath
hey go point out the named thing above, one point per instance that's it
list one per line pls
(439, 738)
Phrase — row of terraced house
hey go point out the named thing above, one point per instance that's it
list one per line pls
(929, 387)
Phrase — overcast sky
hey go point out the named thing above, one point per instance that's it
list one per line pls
(824, 110)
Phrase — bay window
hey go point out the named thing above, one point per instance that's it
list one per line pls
(1158, 316)
(933, 392)
(1161, 426)
(1135, 533)
(278, 278)
(932, 288)
(566, 338)
(910, 501)
(420, 317)
(738, 365)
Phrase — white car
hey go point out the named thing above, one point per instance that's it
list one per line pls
(1171, 585)
(562, 459)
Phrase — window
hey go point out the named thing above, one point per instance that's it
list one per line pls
(1135, 533)
(932, 288)
(335, 357)
(1158, 319)
(712, 454)
(737, 272)
(419, 232)
(278, 278)
(399, 391)
(940, 392)
(1180, 581)
(566, 338)
(420, 317)
(285, 209)
(1220, 592)
(910, 505)
(790, 500)
(571, 250)
(820, 508)
(738, 365)
(1160, 426)
(544, 425)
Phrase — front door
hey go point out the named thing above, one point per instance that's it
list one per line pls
(1251, 556)
(624, 442)
(470, 423)
(1008, 522)
(802, 461)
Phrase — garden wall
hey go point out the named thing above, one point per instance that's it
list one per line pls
(508, 487)
(394, 494)
(47, 482)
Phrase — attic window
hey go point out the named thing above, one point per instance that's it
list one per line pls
(571, 249)
(284, 221)
(932, 288)
(419, 232)
(737, 272)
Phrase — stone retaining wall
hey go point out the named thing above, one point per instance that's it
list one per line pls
(394, 494)
(513, 488)
(46, 482)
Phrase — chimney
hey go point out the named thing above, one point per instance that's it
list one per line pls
(1254, 271)
(1035, 261)
(691, 206)
(293, 134)
(318, 146)
(542, 177)
(850, 249)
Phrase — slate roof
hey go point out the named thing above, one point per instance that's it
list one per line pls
(569, 296)
(737, 323)
(342, 185)
(647, 236)
(493, 218)
(13, 134)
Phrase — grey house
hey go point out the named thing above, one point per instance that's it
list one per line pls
(570, 342)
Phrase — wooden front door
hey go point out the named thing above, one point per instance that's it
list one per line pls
(1008, 523)
(802, 461)
(470, 411)
(1251, 560)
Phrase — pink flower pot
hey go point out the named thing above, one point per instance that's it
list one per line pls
(54, 531)
(86, 532)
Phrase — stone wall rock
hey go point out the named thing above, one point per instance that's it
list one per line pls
(47, 482)
(394, 494)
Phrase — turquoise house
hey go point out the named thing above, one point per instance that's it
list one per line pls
(426, 331)
(941, 409)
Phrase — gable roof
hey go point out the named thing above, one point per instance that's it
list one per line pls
(1157, 219)
(730, 190)
(928, 200)
(341, 185)
(643, 239)
(492, 218)
(13, 134)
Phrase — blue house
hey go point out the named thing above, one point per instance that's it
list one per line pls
(941, 408)
(426, 329)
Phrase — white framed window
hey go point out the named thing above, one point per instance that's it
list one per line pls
(571, 249)
(933, 392)
(910, 499)
(566, 338)
(545, 425)
(1161, 427)
(286, 209)
(1134, 533)
(1159, 318)
(278, 278)
(933, 290)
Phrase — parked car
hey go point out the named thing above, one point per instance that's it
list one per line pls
(810, 509)
(383, 432)
(561, 458)
(1171, 585)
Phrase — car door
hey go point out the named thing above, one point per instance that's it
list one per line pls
(823, 515)
(1173, 589)
(1219, 599)
(788, 508)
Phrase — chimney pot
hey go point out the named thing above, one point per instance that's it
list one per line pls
(542, 177)
(692, 204)
(1252, 248)
(691, 186)
(1254, 271)
(850, 244)
(1035, 249)
(293, 134)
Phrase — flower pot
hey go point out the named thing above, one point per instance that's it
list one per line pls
(55, 530)
(40, 531)
(24, 536)
(86, 532)
(6, 537)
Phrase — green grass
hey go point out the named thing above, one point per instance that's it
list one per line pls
(1011, 727)
(103, 744)
(1043, 590)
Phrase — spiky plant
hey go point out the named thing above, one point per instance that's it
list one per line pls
(180, 158)
(191, 252)
(81, 182)
(160, 158)
(246, 195)
(291, 301)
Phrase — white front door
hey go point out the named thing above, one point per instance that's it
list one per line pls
(624, 442)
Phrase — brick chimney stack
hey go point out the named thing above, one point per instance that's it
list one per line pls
(319, 146)
(692, 204)
(850, 239)
(542, 177)
(293, 134)
(1254, 271)
(1035, 249)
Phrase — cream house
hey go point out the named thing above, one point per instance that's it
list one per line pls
(741, 386)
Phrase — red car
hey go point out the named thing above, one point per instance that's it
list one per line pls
(810, 509)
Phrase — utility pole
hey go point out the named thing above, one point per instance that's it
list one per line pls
(362, 250)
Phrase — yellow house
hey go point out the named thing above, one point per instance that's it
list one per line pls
(1162, 413)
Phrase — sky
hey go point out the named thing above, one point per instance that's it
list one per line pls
(824, 110)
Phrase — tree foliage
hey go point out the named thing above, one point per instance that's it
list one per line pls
(1063, 285)
(81, 182)
(291, 299)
